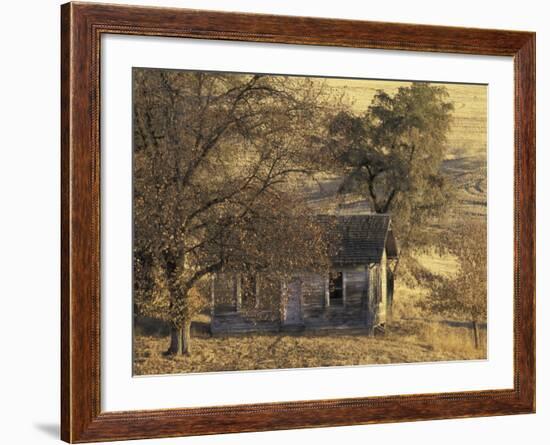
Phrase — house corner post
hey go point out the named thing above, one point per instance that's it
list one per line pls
(212, 294)
(256, 291)
(327, 292)
(238, 294)
(344, 279)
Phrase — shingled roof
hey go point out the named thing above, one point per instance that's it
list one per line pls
(358, 239)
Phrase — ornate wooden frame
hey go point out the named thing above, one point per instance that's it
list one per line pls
(81, 28)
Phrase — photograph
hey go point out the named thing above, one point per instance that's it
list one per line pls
(283, 221)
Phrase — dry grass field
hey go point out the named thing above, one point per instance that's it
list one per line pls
(408, 341)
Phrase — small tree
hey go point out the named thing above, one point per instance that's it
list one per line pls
(465, 294)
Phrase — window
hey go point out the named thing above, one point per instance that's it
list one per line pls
(336, 289)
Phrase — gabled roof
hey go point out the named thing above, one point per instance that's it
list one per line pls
(358, 239)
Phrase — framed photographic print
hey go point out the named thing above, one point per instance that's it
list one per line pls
(275, 222)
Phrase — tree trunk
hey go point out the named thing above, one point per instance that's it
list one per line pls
(476, 333)
(187, 337)
(173, 349)
(184, 338)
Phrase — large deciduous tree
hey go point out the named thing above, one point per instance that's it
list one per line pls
(214, 159)
(392, 155)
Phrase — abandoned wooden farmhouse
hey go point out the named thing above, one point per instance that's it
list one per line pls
(356, 293)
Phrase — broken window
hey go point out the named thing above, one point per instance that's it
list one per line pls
(336, 289)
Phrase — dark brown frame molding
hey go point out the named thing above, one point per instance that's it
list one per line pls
(82, 25)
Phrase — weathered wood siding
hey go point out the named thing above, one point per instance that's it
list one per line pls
(292, 302)
(313, 295)
(356, 287)
(247, 313)
(239, 322)
(316, 308)
(224, 293)
(383, 289)
(373, 300)
(364, 299)
(377, 293)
